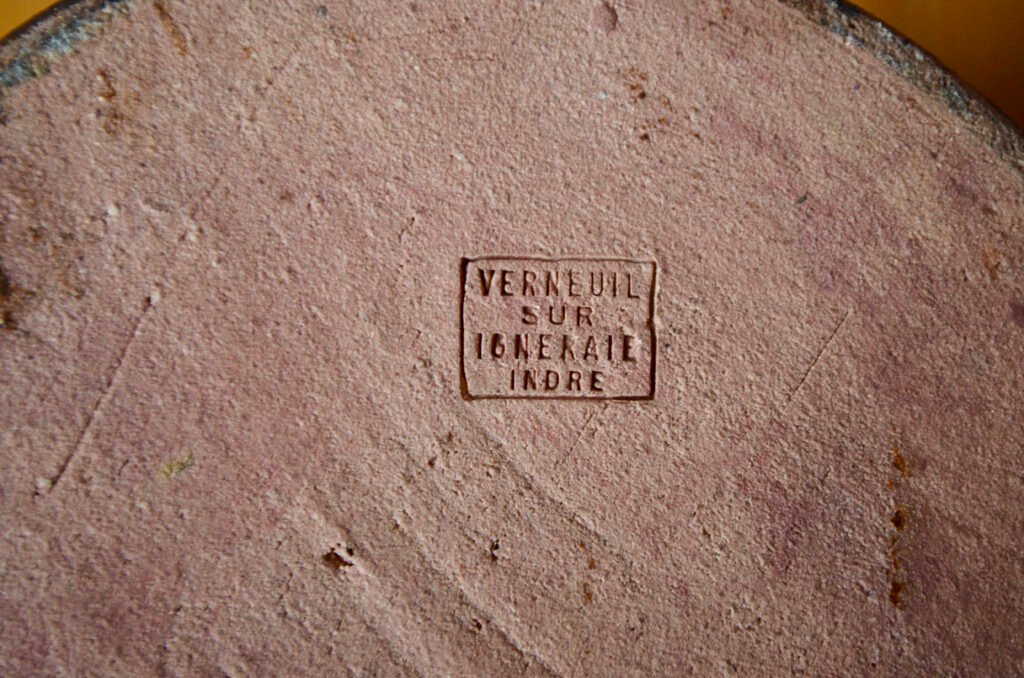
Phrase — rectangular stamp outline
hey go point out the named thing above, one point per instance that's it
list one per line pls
(651, 324)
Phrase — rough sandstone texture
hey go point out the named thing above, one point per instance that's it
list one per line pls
(231, 426)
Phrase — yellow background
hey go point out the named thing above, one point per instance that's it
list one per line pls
(980, 40)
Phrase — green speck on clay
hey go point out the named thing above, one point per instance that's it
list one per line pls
(173, 468)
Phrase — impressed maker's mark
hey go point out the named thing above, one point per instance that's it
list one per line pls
(558, 328)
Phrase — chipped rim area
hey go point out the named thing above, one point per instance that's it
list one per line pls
(859, 29)
(31, 50)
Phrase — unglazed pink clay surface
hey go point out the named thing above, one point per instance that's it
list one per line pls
(233, 435)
